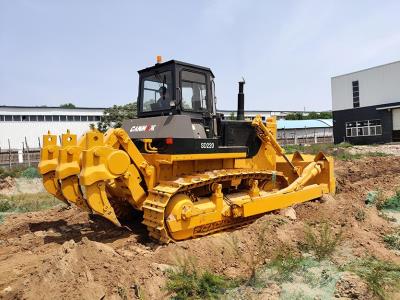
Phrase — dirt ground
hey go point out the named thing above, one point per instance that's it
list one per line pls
(62, 254)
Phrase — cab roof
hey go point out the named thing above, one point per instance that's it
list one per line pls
(176, 62)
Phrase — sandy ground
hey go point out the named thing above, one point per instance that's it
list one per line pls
(62, 254)
(392, 149)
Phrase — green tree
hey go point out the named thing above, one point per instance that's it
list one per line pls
(294, 116)
(67, 105)
(325, 115)
(113, 116)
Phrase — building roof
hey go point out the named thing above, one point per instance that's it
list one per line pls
(317, 123)
(366, 69)
(49, 107)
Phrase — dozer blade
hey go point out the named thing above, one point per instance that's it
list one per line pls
(48, 164)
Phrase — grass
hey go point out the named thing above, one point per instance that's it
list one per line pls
(188, 282)
(284, 266)
(339, 151)
(15, 172)
(252, 258)
(382, 277)
(375, 198)
(27, 202)
(321, 241)
(392, 203)
(360, 215)
(392, 241)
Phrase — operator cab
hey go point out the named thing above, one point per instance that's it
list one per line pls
(176, 111)
(178, 88)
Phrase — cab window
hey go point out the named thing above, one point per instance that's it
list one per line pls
(194, 91)
(157, 92)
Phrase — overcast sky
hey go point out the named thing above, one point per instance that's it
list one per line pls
(88, 52)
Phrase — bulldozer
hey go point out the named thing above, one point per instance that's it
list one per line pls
(188, 169)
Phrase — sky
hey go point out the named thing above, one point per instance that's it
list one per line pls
(88, 51)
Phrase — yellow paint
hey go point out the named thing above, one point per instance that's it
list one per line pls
(182, 195)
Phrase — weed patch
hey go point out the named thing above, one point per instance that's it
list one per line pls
(303, 277)
(285, 265)
(382, 277)
(375, 198)
(377, 154)
(392, 203)
(322, 240)
(252, 259)
(392, 241)
(188, 282)
(30, 172)
(27, 202)
(360, 215)
(15, 172)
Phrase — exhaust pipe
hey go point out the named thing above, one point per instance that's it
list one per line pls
(240, 109)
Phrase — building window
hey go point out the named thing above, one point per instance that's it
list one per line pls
(356, 94)
(48, 118)
(90, 118)
(63, 118)
(40, 118)
(33, 118)
(70, 118)
(363, 128)
(84, 118)
(1, 118)
(17, 118)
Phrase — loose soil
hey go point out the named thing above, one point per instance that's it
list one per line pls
(63, 254)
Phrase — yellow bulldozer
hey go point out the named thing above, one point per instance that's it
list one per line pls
(188, 169)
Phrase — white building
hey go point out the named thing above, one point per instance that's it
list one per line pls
(366, 105)
(27, 124)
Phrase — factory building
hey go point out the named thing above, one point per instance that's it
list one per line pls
(366, 105)
(23, 126)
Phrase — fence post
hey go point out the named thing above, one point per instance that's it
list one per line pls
(305, 130)
(315, 138)
(27, 150)
(284, 136)
(9, 154)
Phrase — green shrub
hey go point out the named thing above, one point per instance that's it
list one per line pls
(322, 240)
(377, 154)
(392, 241)
(18, 171)
(392, 202)
(27, 202)
(187, 282)
(5, 204)
(253, 256)
(381, 276)
(284, 266)
(30, 172)
(342, 154)
(375, 198)
(360, 215)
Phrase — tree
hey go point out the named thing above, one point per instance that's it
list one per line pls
(310, 116)
(294, 116)
(113, 116)
(67, 105)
